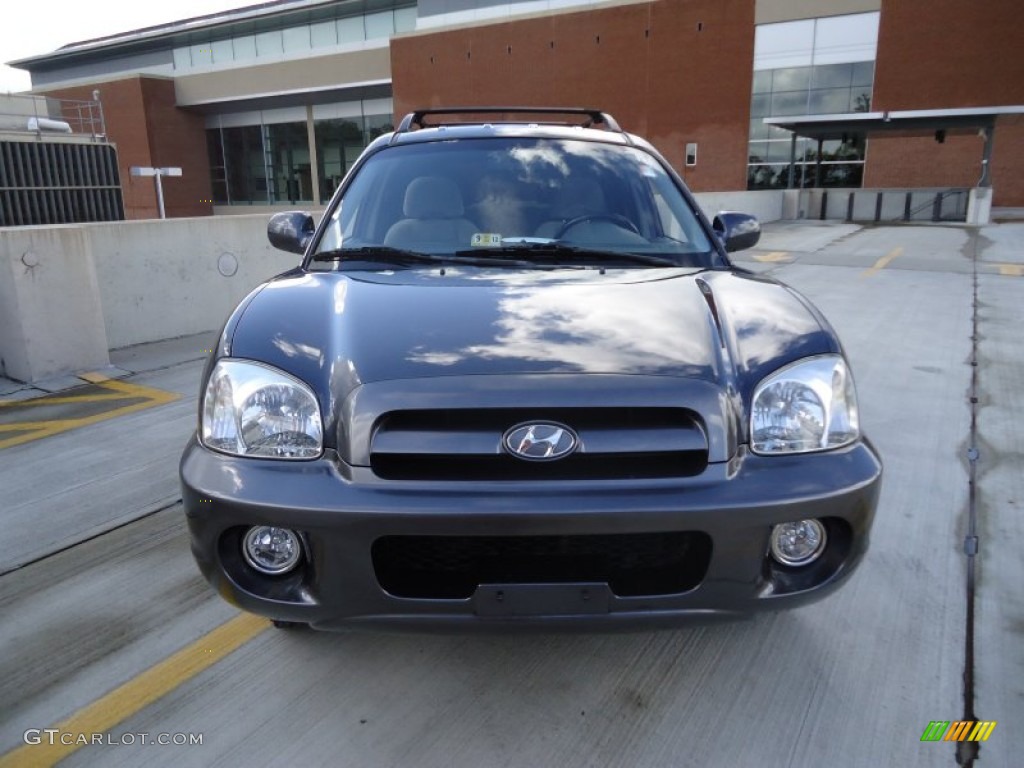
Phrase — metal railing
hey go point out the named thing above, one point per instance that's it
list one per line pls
(892, 205)
(47, 116)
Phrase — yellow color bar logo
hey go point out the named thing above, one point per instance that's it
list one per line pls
(961, 730)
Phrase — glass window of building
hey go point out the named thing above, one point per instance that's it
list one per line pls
(202, 54)
(376, 125)
(182, 58)
(244, 164)
(245, 47)
(271, 162)
(338, 143)
(405, 20)
(296, 39)
(380, 25)
(218, 169)
(223, 51)
(269, 43)
(288, 152)
(324, 34)
(810, 67)
(351, 30)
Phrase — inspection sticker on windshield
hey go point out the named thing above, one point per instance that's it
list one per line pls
(486, 240)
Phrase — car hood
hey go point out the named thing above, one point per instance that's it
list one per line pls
(338, 330)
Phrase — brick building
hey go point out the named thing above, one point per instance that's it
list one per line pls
(270, 105)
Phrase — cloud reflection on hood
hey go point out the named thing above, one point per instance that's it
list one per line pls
(592, 329)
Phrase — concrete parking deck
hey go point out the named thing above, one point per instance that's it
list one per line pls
(108, 629)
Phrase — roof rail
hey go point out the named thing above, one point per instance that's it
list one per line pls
(594, 116)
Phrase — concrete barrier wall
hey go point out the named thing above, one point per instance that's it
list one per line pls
(50, 318)
(70, 293)
(162, 279)
(767, 205)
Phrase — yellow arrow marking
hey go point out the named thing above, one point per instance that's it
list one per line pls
(883, 262)
(117, 390)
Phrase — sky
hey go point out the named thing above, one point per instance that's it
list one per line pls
(43, 26)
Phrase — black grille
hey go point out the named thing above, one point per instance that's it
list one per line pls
(615, 443)
(452, 567)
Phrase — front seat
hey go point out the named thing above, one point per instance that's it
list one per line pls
(434, 218)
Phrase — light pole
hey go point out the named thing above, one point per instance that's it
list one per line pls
(157, 173)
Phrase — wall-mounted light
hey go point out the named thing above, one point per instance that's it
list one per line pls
(691, 154)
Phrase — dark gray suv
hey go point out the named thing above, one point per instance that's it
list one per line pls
(517, 381)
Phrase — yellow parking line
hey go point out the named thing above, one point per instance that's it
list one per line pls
(47, 400)
(34, 433)
(118, 390)
(138, 390)
(139, 692)
(883, 262)
(1011, 270)
(773, 257)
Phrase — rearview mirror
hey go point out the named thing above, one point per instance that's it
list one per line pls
(291, 231)
(737, 230)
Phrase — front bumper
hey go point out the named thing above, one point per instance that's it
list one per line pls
(341, 511)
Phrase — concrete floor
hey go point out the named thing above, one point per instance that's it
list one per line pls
(98, 585)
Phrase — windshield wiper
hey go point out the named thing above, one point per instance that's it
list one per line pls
(559, 251)
(401, 257)
(378, 253)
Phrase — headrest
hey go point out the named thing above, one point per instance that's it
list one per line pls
(433, 197)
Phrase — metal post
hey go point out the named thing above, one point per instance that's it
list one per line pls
(792, 161)
(817, 165)
(160, 194)
(314, 159)
(103, 123)
(224, 159)
(157, 173)
(268, 163)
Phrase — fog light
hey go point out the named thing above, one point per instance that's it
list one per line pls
(271, 550)
(798, 543)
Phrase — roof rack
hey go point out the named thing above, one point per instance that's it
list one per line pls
(594, 116)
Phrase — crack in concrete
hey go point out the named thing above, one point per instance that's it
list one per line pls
(966, 750)
(159, 507)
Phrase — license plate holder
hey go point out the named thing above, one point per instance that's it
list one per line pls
(573, 599)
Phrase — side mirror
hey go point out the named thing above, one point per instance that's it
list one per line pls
(737, 230)
(291, 231)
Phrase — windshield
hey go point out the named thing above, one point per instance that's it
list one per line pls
(545, 201)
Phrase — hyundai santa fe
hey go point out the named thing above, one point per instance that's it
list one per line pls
(517, 381)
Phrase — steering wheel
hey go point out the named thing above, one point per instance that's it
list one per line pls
(611, 218)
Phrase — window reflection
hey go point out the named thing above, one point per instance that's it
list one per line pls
(816, 90)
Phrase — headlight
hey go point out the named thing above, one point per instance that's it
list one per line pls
(251, 409)
(807, 406)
